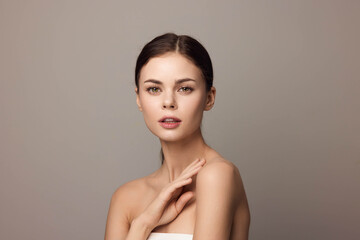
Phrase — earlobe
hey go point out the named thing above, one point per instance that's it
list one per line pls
(210, 99)
(138, 99)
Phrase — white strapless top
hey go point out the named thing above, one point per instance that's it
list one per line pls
(169, 236)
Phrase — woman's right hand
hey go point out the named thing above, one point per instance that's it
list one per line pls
(168, 204)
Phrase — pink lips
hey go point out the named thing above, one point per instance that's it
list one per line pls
(169, 122)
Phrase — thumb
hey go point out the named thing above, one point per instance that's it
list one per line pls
(184, 198)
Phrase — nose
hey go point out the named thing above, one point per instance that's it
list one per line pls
(169, 102)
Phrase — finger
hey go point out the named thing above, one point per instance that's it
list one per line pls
(193, 171)
(192, 168)
(196, 167)
(191, 174)
(168, 193)
(181, 202)
(192, 164)
(177, 185)
(182, 183)
(199, 161)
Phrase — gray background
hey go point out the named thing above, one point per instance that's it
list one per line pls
(287, 110)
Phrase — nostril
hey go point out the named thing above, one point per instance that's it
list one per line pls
(168, 106)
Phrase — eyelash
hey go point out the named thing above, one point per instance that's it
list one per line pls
(152, 88)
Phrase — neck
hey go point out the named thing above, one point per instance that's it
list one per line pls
(178, 155)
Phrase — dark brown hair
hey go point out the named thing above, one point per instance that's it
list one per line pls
(183, 44)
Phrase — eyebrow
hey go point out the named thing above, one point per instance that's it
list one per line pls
(177, 81)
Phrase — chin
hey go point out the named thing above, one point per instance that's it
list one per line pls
(169, 137)
(173, 135)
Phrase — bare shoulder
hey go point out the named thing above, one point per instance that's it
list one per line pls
(221, 201)
(221, 175)
(126, 198)
(130, 189)
(125, 202)
(219, 168)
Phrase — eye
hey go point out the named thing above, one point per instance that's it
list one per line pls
(153, 89)
(185, 89)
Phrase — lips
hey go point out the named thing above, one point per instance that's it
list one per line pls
(169, 122)
(169, 119)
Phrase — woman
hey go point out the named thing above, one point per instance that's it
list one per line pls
(196, 193)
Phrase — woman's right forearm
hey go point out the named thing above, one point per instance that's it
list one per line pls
(139, 230)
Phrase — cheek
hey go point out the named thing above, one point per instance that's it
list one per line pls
(194, 106)
(150, 107)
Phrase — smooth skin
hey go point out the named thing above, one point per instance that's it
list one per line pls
(195, 191)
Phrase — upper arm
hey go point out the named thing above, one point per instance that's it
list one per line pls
(117, 224)
(216, 201)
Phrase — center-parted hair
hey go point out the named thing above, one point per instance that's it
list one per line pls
(183, 44)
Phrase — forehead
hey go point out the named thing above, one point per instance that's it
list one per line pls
(170, 66)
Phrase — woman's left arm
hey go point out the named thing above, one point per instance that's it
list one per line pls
(219, 193)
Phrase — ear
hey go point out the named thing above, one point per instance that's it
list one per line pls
(138, 99)
(210, 99)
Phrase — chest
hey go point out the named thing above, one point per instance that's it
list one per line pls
(183, 223)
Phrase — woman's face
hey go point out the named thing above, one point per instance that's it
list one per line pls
(172, 96)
